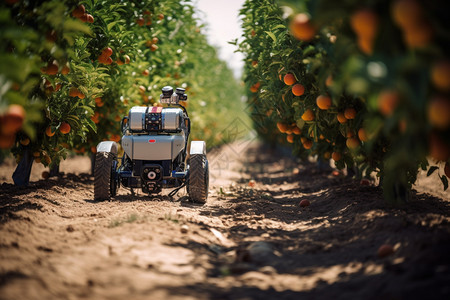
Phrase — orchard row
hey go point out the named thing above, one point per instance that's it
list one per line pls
(70, 70)
(364, 83)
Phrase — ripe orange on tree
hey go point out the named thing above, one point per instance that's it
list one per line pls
(388, 101)
(290, 138)
(25, 141)
(336, 156)
(308, 115)
(302, 28)
(307, 144)
(298, 89)
(349, 113)
(341, 118)
(296, 130)
(12, 120)
(323, 102)
(406, 13)
(49, 131)
(65, 69)
(352, 143)
(364, 22)
(7, 140)
(289, 79)
(282, 127)
(440, 75)
(439, 112)
(99, 102)
(79, 11)
(419, 36)
(362, 135)
(64, 128)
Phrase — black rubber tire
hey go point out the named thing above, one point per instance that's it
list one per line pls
(103, 184)
(198, 178)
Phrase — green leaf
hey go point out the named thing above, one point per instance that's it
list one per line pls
(75, 25)
(272, 36)
(431, 170)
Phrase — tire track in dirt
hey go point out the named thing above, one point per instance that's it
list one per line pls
(246, 242)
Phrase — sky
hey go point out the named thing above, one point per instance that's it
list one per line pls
(223, 25)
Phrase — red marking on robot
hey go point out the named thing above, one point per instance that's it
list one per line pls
(151, 141)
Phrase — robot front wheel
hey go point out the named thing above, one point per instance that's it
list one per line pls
(198, 182)
(105, 183)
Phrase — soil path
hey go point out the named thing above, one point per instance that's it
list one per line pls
(247, 242)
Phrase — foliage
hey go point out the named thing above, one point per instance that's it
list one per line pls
(86, 63)
(385, 71)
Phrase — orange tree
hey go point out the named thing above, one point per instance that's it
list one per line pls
(365, 83)
(71, 70)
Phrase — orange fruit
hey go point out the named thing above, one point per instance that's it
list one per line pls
(406, 13)
(140, 21)
(289, 79)
(304, 203)
(440, 75)
(49, 132)
(52, 68)
(352, 143)
(364, 22)
(255, 88)
(84, 18)
(298, 89)
(296, 131)
(12, 120)
(155, 40)
(154, 47)
(385, 250)
(439, 112)
(282, 127)
(254, 63)
(25, 141)
(145, 72)
(64, 128)
(307, 144)
(349, 113)
(45, 175)
(308, 115)
(302, 28)
(362, 135)
(418, 37)
(387, 102)
(290, 138)
(327, 155)
(74, 92)
(336, 156)
(341, 118)
(365, 45)
(65, 69)
(439, 150)
(323, 102)
(160, 16)
(99, 102)
(447, 169)
(90, 19)
(329, 81)
(79, 11)
(7, 140)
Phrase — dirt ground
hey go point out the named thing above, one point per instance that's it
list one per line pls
(247, 242)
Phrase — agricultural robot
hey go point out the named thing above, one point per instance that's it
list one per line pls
(154, 141)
